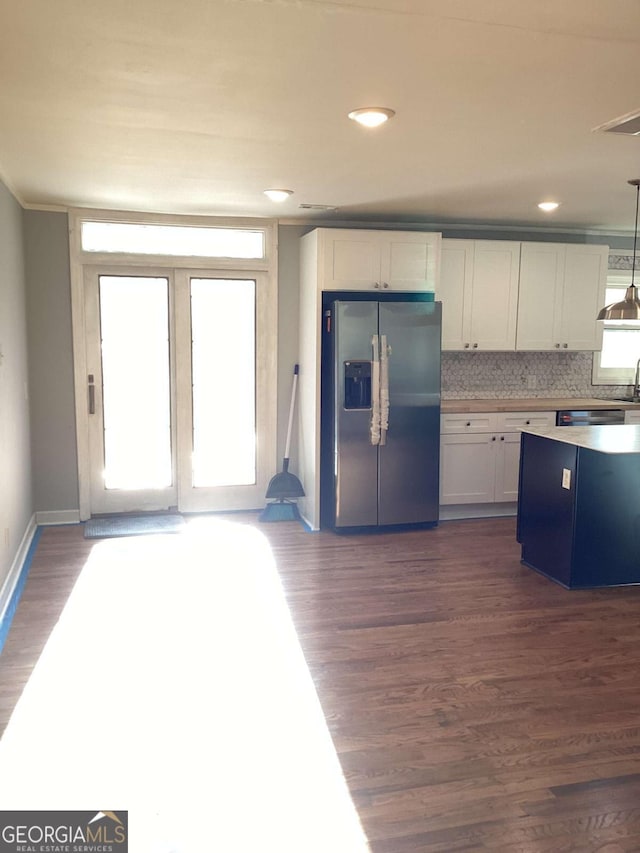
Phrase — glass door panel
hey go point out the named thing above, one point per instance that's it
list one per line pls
(129, 378)
(223, 357)
(134, 318)
(226, 394)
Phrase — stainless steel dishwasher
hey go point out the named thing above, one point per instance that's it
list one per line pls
(589, 417)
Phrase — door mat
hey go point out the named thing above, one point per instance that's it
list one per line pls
(132, 525)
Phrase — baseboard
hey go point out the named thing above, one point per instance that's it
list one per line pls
(460, 511)
(58, 516)
(16, 579)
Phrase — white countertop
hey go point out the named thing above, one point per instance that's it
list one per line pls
(619, 438)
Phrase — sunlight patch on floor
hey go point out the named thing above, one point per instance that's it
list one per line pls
(174, 686)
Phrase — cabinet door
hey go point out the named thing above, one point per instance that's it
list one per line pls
(454, 291)
(467, 468)
(409, 260)
(507, 466)
(585, 276)
(351, 260)
(632, 417)
(540, 296)
(494, 296)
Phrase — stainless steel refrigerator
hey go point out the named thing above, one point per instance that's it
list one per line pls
(380, 415)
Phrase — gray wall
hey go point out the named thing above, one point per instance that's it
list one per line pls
(288, 303)
(53, 430)
(16, 502)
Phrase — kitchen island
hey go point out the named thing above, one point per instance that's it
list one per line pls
(579, 504)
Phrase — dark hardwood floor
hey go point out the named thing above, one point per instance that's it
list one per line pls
(474, 704)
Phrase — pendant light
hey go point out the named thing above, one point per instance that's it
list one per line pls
(629, 308)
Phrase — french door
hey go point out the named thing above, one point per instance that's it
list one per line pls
(179, 413)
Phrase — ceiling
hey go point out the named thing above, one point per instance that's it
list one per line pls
(197, 106)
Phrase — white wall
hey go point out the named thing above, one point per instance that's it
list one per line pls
(16, 502)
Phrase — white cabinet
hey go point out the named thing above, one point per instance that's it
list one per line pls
(353, 259)
(344, 259)
(632, 416)
(562, 289)
(467, 468)
(478, 287)
(480, 455)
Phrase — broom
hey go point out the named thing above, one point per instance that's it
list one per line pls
(285, 485)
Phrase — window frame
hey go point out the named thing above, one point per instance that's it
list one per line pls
(619, 278)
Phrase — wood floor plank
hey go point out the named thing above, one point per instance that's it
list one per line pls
(473, 704)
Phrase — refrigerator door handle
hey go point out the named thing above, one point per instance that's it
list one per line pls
(385, 352)
(374, 430)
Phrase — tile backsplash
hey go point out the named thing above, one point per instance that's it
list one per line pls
(494, 375)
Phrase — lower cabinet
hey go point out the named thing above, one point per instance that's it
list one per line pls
(480, 455)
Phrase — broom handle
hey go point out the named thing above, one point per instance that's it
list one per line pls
(290, 425)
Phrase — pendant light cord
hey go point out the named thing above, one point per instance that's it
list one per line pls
(635, 237)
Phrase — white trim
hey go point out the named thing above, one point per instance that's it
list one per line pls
(77, 216)
(461, 511)
(58, 516)
(15, 570)
(79, 260)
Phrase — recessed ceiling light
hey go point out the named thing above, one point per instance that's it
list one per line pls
(371, 116)
(278, 195)
(548, 206)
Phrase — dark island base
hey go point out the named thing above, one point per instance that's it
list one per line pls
(579, 513)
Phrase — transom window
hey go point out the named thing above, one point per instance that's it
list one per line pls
(174, 240)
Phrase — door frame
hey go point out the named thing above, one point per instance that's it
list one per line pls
(79, 259)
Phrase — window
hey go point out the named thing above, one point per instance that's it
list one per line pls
(616, 363)
(174, 240)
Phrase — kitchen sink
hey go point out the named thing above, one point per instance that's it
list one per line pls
(631, 399)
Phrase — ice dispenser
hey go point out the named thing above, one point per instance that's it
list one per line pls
(357, 384)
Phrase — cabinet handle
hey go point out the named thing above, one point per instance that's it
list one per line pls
(493, 438)
(376, 284)
(386, 284)
(466, 346)
(557, 346)
(501, 438)
(475, 346)
(468, 423)
(527, 422)
(565, 346)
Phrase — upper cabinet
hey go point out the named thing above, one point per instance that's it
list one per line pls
(507, 295)
(562, 288)
(353, 259)
(478, 287)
